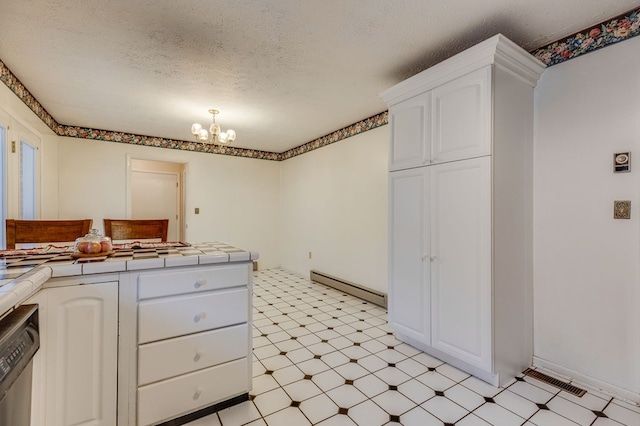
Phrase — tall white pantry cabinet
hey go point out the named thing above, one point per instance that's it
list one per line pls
(460, 213)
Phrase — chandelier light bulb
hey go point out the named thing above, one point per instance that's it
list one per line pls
(214, 135)
(195, 129)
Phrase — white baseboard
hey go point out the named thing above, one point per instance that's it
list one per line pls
(581, 380)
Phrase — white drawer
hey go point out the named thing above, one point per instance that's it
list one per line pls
(176, 316)
(168, 358)
(190, 280)
(183, 394)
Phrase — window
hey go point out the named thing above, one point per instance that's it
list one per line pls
(19, 173)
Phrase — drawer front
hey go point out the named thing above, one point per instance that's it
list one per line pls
(192, 280)
(176, 316)
(169, 358)
(183, 394)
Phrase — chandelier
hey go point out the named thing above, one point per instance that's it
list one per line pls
(214, 135)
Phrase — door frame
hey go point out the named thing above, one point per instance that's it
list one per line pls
(157, 166)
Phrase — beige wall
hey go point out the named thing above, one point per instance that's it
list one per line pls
(334, 204)
(238, 198)
(586, 264)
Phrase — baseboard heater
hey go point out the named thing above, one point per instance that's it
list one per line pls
(376, 297)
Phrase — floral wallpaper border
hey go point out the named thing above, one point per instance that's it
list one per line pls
(609, 32)
(606, 33)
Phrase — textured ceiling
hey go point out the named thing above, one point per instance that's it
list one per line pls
(282, 73)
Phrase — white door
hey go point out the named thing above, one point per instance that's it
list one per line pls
(82, 351)
(156, 193)
(409, 254)
(461, 118)
(409, 133)
(461, 260)
(155, 196)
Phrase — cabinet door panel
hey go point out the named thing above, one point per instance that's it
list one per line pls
(82, 327)
(408, 267)
(461, 118)
(409, 136)
(461, 266)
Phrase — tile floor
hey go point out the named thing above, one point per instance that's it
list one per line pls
(325, 358)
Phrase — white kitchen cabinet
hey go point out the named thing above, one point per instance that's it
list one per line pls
(447, 123)
(460, 255)
(409, 247)
(79, 337)
(188, 346)
(460, 258)
(410, 135)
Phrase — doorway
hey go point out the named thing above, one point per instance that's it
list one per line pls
(155, 191)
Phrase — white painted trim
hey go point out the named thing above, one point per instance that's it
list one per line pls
(582, 380)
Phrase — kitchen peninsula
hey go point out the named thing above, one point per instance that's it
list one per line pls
(152, 333)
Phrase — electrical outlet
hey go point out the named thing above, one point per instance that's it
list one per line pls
(197, 210)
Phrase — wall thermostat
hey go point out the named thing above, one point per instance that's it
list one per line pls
(622, 162)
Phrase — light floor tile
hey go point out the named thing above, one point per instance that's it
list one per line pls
(548, 417)
(464, 397)
(287, 375)
(412, 367)
(239, 414)
(588, 401)
(287, 417)
(532, 393)
(419, 417)
(516, 404)
(392, 376)
(368, 414)
(346, 396)
(302, 390)
(351, 371)
(338, 420)
(621, 414)
(452, 373)
(394, 402)
(328, 380)
(497, 415)
(272, 401)
(604, 421)
(568, 409)
(373, 377)
(480, 387)
(416, 391)
(444, 409)
(472, 420)
(263, 383)
(436, 381)
(318, 408)
(370, 385)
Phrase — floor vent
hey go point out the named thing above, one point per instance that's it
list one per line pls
(574, 390)
(376, 297)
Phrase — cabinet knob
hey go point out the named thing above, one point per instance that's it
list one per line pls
(198, 317)
(197, 356)
(433, 258)
(197, 394)
(200, 283)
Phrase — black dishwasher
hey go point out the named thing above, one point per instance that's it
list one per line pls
(19, 341)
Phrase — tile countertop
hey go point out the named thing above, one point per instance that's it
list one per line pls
(23, 272)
